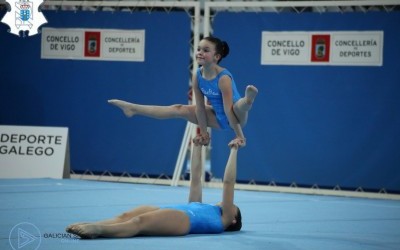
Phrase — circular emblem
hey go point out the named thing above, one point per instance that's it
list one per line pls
(25, 236)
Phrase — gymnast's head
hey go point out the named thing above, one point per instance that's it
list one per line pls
(214, 45)
(236, 223)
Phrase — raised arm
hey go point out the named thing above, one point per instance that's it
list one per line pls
(228, 207)
(203, 138)
(225, 85)
(196, 172)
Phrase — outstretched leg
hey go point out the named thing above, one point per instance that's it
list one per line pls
(166, 222)
(242, 107)
(186, 112)
(157, 112)
(120, 218)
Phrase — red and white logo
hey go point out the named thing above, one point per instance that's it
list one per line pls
(321, 45)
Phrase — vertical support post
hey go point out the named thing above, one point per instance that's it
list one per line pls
(207, 19)
(190, 127)
(182, 154)
(67, 161)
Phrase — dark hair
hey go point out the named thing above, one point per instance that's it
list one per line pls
(238, 225)
(221, 47)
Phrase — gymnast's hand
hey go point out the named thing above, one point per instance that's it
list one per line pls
(202, 139)
(237, 142)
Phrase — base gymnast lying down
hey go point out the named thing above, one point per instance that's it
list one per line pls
(194, 217)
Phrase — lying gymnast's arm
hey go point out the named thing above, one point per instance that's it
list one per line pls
(228, 207)
(196, 170)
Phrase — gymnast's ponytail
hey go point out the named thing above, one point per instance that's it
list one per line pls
(221, 47)
(224, 49)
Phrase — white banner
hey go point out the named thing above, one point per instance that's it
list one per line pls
(122, 45)
(93, 44)
(32, 152)
(349, 48)
(66, 43)
(357, 48)
(285, 47)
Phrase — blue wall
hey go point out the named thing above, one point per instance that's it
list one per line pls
(325, 125)
(74, 94)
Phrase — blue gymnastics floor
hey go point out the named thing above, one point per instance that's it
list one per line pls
(34, 213)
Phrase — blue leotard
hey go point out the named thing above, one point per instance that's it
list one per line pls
(204, 218)
(210, 89)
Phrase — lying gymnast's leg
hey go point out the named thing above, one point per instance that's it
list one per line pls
(161, 222)
(120, 218)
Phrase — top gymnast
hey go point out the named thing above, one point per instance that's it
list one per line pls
(227, 110)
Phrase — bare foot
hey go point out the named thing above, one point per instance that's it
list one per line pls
(127, 107)
(86, 231)
(250, 94)
(71, 227)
